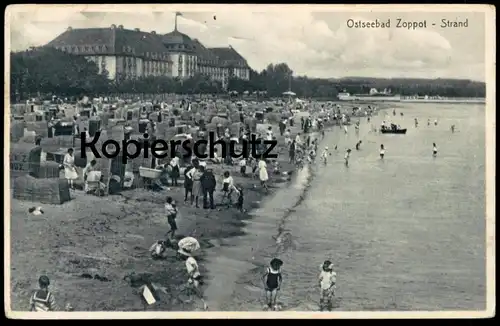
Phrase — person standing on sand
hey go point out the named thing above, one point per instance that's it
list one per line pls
(263, 175)
(382, 151)
(208, 185)
(188, 184)
(174, 170)
(43, 300)
(327, 280)
(171, 212)
(195, 175)
(291, 152)
(69, 168)
(227, 188)
(272, 280)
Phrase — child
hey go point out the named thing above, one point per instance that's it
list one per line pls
(324, 155)
(434, 150)
(347, 156)
(382, 151)
(254, 165)
(227, 187)
(243, 167)
(358, 144)
(43, 300)
(272, 281)
(327, 280)
(194, 278)
(171, 212)
(239, 203)
(276, 167)
(159, 249)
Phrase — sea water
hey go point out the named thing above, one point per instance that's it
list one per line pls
(404, 233)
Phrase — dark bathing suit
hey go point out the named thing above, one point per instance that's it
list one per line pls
(272, 281)
(171, 222)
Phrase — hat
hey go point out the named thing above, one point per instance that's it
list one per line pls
(326, 147)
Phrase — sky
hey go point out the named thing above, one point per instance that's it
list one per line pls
(313, 41)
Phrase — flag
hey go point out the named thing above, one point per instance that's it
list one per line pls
(178, 14)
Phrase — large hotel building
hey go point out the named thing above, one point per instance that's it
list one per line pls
(133, 53)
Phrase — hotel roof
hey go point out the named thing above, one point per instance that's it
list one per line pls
(116, 40)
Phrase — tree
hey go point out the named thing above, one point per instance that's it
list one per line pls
(46, 70)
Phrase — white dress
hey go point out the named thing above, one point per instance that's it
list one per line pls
(263, 171)
(69, 167)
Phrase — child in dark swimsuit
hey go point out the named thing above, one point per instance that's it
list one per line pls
(272, 281)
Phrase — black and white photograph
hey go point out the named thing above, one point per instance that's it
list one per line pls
(249, 161)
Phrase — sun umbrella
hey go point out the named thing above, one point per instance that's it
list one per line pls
(189, 244)
(289, 93)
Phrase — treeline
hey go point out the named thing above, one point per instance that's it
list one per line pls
(48, 71)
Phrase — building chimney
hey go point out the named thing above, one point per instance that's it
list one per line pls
(137, 29)
(153, 32)
(120, 26)
(113, 26)
(69, 28)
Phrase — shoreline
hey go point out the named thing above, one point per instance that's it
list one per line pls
(250, 269)
(117, 232)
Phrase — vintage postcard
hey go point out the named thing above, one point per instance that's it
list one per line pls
(249, 161)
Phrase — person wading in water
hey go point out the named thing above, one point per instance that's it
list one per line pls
(272, 282)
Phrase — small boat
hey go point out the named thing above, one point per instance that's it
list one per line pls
(393, 131)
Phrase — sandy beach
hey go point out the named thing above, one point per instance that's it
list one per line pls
(110, 236)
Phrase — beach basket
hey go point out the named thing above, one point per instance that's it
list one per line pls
(149, 173)
(16, 131)
(18, 109)
(46, 191)
(49, 170)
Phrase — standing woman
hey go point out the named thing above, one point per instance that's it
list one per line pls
(195, 175)
(382, 151)
(188, 184)
(263, 176)
(69, 168)
(434, 150)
